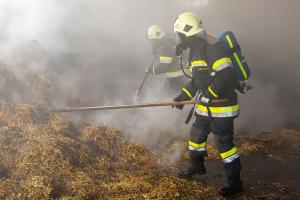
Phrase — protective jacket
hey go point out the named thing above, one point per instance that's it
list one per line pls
(168, 63)
(213, 77)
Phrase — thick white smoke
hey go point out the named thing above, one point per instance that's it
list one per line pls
(99, 50)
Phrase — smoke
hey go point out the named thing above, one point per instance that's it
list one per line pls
(98, 50)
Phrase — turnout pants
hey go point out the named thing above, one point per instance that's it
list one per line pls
(223, 130)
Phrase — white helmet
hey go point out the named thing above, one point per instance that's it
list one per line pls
(155, 32)
(188, 24)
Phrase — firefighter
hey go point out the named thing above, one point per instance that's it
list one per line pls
(168, 64)
(214, 82)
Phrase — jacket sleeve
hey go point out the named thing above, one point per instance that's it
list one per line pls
(167, 60)
(189, 91)
(166, 64)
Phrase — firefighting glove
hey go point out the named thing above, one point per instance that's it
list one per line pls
(181, 97)
(245, 87)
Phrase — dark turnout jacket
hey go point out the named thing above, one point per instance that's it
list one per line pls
(167, 63)
(213, 77)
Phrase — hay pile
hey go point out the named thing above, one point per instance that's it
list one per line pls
(43, 156)
(32, 87)
(28, 87)
(11, 88)
(281, 146)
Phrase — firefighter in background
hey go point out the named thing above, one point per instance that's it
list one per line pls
(167, 63)
(213, 79)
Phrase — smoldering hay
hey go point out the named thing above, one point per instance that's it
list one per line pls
(45, 156)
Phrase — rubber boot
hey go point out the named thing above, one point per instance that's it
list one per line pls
(195, 167)
(234, 184)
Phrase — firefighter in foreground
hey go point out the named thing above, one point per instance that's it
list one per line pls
(213, 78)
(167, 65)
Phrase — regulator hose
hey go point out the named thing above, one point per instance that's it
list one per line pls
(182, 69)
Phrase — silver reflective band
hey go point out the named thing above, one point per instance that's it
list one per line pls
(195, 149)
(225, 114)
(231, 158)
(223, 66)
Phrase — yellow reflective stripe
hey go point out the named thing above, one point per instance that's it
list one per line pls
(197, 146)
(240, 65)
(212, 92)
(165, 59)
(236, 57)
(173, 74)
(229, 41)
(199, 63)
(220, 109)
(229, 153)
(221, 62)
(187, 92)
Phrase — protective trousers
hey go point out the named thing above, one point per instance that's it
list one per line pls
(223, 130)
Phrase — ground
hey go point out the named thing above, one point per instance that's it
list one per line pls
(270, 166)
(44, 156)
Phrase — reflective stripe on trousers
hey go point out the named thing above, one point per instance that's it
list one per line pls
(230, 155)
(197, 147)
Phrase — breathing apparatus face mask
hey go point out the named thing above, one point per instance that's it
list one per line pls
(181, 43)
(155, 46)
(182, 40)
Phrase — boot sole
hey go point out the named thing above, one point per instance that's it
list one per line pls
(191, 175)
(237, 194)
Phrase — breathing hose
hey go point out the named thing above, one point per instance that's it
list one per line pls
(182, 69)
